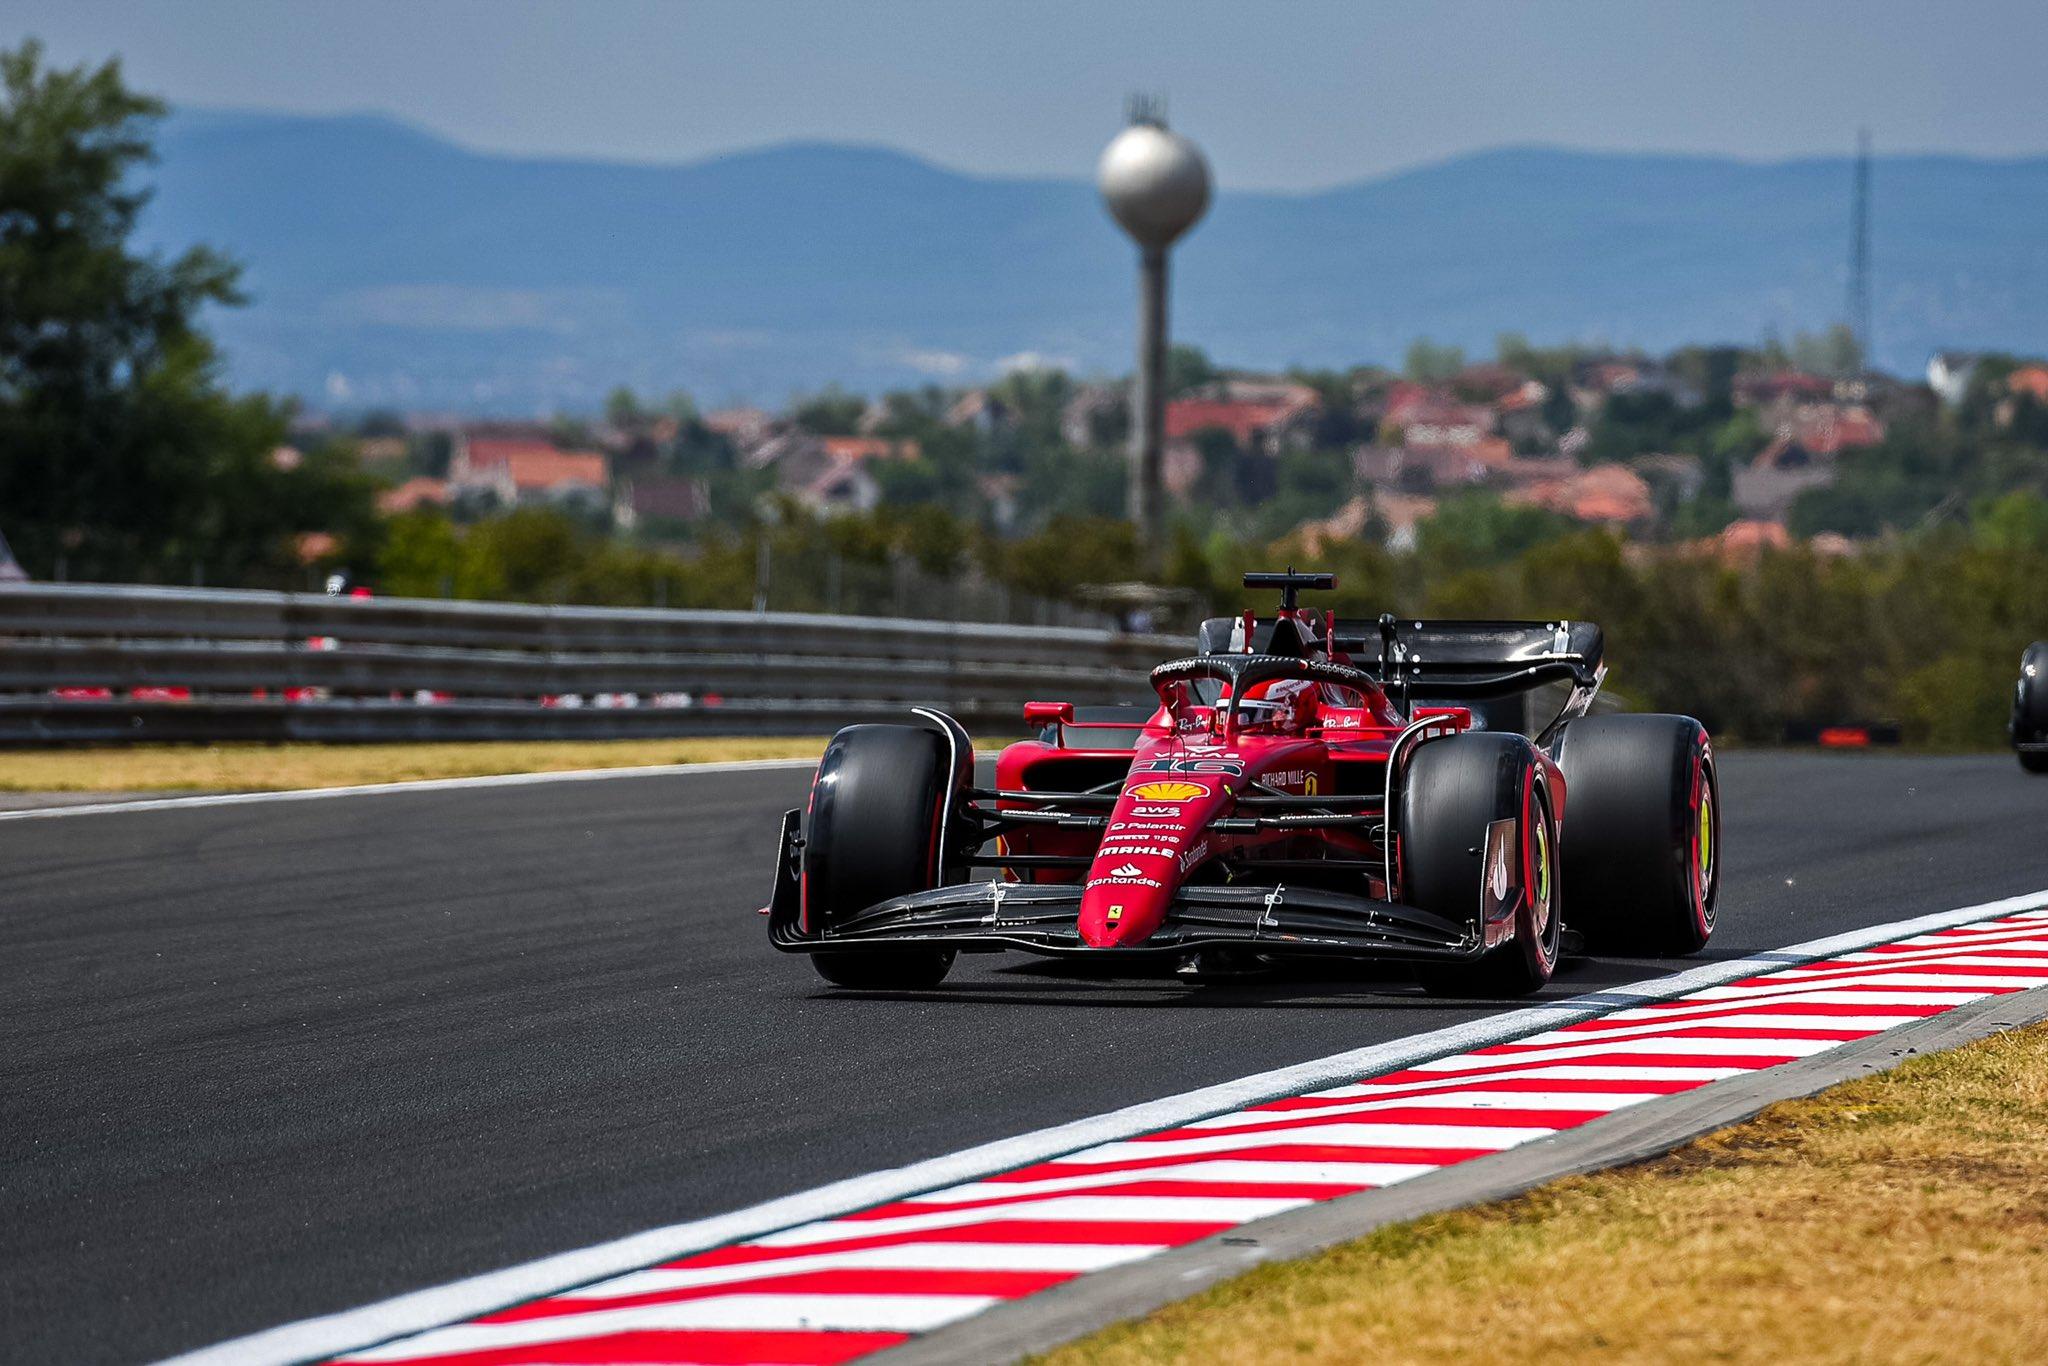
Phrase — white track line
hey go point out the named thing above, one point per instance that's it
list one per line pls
(307, 794)
(354, 1329)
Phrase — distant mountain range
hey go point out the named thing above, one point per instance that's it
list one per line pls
(392, 267)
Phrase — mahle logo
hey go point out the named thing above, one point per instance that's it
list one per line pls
(1168, 792)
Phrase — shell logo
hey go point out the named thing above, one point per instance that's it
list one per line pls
(1168, 792)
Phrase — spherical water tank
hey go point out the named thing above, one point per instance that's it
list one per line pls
(1155, 183)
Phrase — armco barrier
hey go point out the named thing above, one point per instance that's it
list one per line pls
(254, 665)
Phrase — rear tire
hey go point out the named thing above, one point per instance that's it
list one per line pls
(871, 834)
(2029, 723)
(1642, 832)
(1456, 788)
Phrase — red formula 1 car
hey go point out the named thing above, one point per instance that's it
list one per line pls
(1307, 785)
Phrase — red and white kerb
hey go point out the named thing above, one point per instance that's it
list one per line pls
(842, 1288)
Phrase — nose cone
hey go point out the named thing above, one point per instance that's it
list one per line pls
(1157, 832)
(1155, 182)
(1123, 905)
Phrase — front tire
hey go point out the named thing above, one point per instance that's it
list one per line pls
(1454, 791)
(871, 834)
(1642, 832)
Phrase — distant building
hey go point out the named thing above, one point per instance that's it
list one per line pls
(1948, 374)
(1490, 382)
(650, 500)
(869, 448)
(784, 449)
(1760, 388)
(414, 493)
(746, 428)
(1420, 468)
(1681, 474)
(842, 486)
(1609, 495)
(518, 471)
(1095, 416)
(830, 473)
(1276, 391)
(1422, 415)
(1259, 426)
(1394, 515)
(2030, 381)
(1831, 428)
(1596, 381)
(1765, 488)
(980, 412)
(1520, 414)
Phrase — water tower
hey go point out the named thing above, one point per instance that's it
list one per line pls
(1156, 185)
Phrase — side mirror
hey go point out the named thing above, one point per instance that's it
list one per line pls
(1048, 713)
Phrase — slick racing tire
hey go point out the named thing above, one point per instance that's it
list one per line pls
(872, 834)
(1453, 793)
(2029, 723)
(1642, 832)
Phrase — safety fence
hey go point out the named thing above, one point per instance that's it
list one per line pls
(89, 663)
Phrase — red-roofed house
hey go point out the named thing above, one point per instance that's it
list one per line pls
(2030, 380)
(416, 492)
(1802, 456)
(842, 486)
(1425, 416)
(507, 471)
(516, 470)
(1611, 494)
(1249, 423)
(1829, 428)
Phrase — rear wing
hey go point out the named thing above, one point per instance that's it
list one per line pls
(1477, 659)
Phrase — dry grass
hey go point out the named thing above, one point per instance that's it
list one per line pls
(269, 768)
(1903, 1218)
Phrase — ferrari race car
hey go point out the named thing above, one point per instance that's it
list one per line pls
(2029, 724)
(1307, 785)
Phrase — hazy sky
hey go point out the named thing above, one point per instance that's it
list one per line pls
(1281, 95)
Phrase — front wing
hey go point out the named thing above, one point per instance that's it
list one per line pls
(1041, 918)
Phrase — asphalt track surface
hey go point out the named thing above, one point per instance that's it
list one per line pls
(263, 1062)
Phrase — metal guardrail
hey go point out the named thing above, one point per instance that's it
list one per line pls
(273, 666)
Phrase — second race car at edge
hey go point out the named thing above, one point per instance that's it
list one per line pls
(1307, 785)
